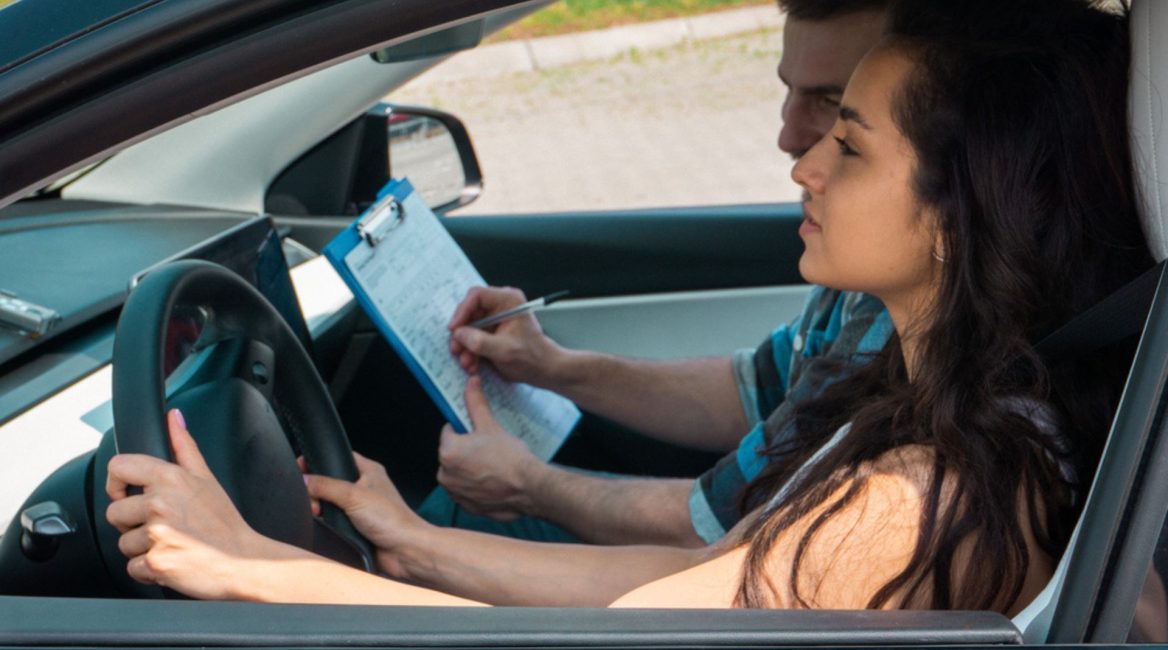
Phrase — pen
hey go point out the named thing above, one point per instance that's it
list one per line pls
(529, 306)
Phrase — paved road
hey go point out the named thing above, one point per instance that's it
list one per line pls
(693, 124)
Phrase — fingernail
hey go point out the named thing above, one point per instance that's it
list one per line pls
(305, 477)
(182, 422)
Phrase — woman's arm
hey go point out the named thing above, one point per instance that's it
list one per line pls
(861, 548)
(183, 532)
(511, 572)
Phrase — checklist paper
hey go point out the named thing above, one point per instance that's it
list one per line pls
(409, 282)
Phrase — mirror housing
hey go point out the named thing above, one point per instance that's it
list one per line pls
(342, 175)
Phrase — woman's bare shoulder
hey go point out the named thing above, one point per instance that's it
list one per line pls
(866, 541)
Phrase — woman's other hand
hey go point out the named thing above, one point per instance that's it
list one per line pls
(182, 531)
(516, 347)
(487, 470)
(374, 506)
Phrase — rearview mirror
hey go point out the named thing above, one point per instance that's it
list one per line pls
(446, 41)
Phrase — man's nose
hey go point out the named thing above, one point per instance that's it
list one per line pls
(795, 141)
(797, 134)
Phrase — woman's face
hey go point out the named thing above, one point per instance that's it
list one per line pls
(863, 227)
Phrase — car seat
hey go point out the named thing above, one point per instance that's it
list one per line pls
(1052, 617)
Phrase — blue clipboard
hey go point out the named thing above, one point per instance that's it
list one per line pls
(373, 226)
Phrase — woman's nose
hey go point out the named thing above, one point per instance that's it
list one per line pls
(809, 171)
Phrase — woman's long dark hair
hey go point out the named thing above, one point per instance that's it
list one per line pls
(1018, 122)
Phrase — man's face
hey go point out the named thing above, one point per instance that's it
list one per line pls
(818, 58)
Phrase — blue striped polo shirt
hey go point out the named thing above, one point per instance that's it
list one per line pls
(835, 324)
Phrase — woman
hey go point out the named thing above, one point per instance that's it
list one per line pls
(974, 188)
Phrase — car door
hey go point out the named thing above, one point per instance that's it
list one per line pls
(212, 54)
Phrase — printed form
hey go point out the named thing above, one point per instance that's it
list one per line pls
(415, 277)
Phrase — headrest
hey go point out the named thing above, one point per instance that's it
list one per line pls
(1149, 127)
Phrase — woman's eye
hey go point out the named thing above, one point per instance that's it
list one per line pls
(844, 148)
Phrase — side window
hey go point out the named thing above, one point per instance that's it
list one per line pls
(689, 117)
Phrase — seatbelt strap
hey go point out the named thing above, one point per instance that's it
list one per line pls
(1113, 319)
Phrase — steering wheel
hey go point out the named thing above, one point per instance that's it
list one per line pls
(248, 393)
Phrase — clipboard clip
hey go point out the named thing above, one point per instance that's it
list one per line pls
(384, 216)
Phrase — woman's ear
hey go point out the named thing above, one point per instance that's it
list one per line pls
(940, 254)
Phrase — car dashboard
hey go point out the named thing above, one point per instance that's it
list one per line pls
(55, 389)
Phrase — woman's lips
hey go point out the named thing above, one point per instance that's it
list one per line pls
(809, 225)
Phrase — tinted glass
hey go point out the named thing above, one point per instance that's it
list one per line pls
(29, 26)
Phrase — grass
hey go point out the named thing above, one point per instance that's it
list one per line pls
(584, 15)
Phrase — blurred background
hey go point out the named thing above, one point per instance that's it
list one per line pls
(563, 105)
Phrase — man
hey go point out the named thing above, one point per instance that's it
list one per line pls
(701, 403)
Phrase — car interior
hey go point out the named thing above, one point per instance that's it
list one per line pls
(631, 274)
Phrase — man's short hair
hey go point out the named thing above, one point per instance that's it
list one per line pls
(825, 9)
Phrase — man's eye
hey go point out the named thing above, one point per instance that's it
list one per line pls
(830, 101)
(844, 147)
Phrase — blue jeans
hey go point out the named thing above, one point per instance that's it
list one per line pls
(439, 510)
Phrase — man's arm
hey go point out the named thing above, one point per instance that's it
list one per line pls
(694, 403)
(691, 402)
(490, 472)
(621, 510)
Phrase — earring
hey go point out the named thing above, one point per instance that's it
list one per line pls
(938, 257)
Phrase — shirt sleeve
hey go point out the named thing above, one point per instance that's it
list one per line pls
(764, 375)
(713, 499)
(744, 377)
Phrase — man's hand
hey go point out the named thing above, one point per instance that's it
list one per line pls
(374, 506)
(487, 471)
(517, 347)
(182, 531)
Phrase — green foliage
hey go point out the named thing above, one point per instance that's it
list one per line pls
(583, 15)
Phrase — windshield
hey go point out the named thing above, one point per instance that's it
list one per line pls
(28, 27)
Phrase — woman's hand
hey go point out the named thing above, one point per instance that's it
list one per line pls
(374, 506)
(517, 347)
(487, 470)
(182, 531)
